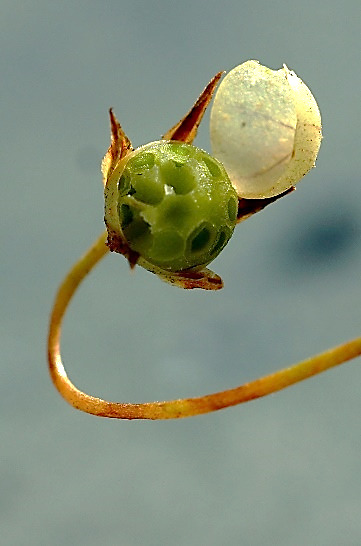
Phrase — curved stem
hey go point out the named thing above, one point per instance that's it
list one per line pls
(171, 409)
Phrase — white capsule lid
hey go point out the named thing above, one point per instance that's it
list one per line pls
(265, 128)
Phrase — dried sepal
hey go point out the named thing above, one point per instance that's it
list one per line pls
(120, 146)
(248, 207)
(186, 129)
(204, 278)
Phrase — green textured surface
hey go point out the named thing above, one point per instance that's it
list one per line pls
(177, 206)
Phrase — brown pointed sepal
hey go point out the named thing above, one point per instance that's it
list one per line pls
(187, 279)
(186, 129)
(120, 145)
(248, 207)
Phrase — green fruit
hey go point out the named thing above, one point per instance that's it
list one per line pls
(177, 207)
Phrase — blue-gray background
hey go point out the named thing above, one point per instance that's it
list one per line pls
(284, 470)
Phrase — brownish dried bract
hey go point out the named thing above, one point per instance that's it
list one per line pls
(186, 129)
(205, 279)
(120, 145)
(190, 278)
(248, 207)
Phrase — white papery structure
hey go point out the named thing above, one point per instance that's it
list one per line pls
(265, 128)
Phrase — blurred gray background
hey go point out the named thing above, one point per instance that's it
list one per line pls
(284, 470)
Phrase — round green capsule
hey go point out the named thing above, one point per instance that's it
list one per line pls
(177, 207)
